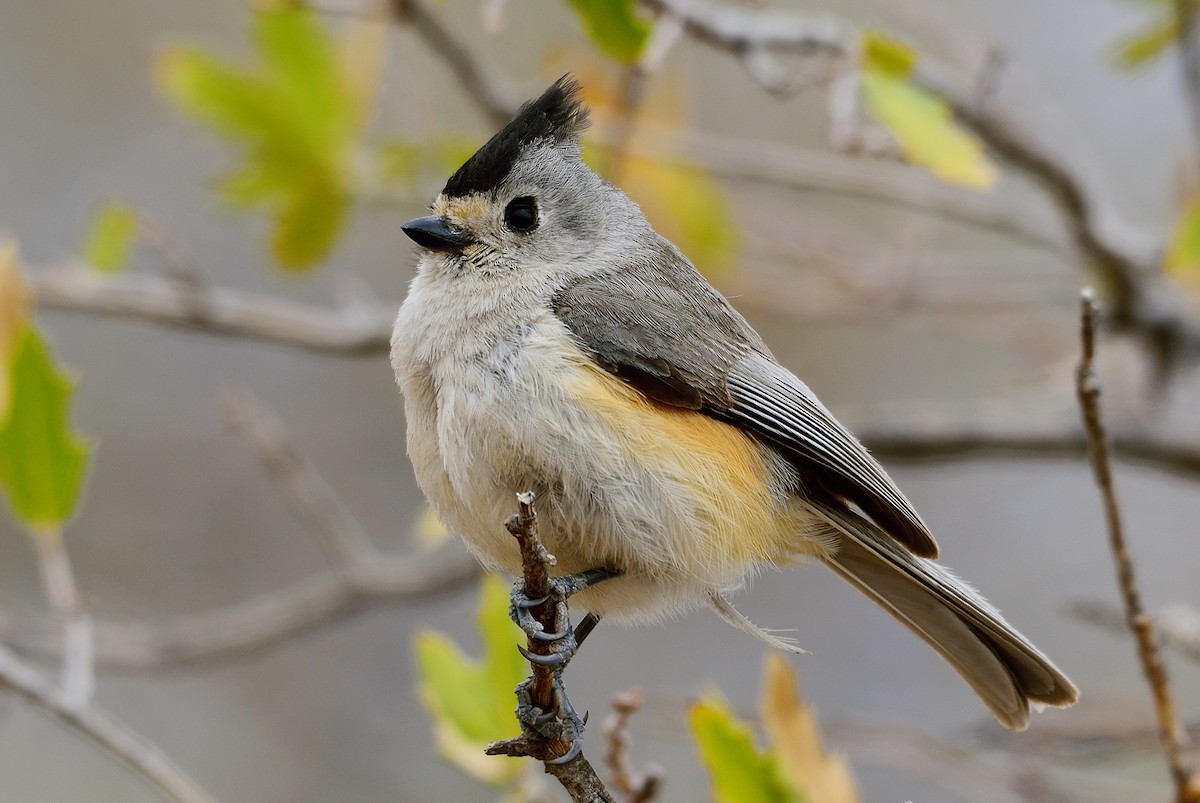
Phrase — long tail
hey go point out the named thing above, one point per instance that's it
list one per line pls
(1000, 664)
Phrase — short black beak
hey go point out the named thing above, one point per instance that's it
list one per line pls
(436, 234)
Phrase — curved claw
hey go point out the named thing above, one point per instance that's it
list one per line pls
(576, 749)
(543, 660)
(529, 603)
(542, 635)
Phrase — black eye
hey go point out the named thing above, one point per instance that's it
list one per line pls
(521, 214)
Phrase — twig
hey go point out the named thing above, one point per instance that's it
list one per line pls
(1189, 59)
(473, 77)
(105, 730)
(62, 592)
(1087, 385)
(636, 787)
(577, 775)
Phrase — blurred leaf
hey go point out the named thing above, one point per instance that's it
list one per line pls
(110, 238)
(926, 132)
(427, 531)
(1182, 257)
(792, 730)
(15, 304)
(886, 55)
(1142, 47)
(740, 773)
(614, 26)
(297, 114)
(42, 460)
(471, 702)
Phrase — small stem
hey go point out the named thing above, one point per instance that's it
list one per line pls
(62, 594)
(1087, 387)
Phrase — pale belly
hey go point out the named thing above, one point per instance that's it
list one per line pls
(679, 503)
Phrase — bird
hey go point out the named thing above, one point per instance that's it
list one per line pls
(552, 341)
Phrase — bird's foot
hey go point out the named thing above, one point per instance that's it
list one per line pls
(561, 722)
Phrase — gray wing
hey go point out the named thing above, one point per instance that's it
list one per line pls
(660, 326)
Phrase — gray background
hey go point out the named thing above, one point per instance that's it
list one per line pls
(179, 518)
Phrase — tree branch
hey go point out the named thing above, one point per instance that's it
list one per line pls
(358, 329)
(103, 729)
(1087, 385)
(576, 774)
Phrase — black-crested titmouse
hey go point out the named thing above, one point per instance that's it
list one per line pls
(553, 341)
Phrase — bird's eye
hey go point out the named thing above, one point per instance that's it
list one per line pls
(521, 214)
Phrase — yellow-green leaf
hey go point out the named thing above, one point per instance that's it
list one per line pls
(926, 132)
(1145, 45)
(42, 459)
(297, 114)
(792, 729)
(471, 701)
(110, 238)
(15, 303)
(886, 55)
(739, 771)
(1182, 257)
(614, 26)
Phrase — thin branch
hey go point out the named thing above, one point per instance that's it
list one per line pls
(473, 76)
(636, 787)
(1087, 386)
(1188, 17)
(105, 730)
(576, 775)
(359, 329)
(62, 592)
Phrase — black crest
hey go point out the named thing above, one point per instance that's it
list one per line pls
(557, 116)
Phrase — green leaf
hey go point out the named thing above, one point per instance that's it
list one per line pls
(740, 773)
(471, 702)
(110, 238)
(883, 54)
(1182, 257)
(1140, 48)
(297, 114)
(926, 132)
(614, 26)
(42, 460)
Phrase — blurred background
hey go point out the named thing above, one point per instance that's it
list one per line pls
(921, 311)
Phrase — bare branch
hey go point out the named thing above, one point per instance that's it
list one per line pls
(1188, 20)
(103, 729)
(473, 77)
(1087, 386)
(259, 623)
(636, 787)
(62, 592)
(359, 329)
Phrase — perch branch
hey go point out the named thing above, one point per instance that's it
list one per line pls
(62, 592)
(1087, 385)
(577, 775)
(103, 729)
(1181, 632)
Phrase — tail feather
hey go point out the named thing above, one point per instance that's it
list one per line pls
(1000, 664)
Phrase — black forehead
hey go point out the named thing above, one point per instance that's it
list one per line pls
(557, 116)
